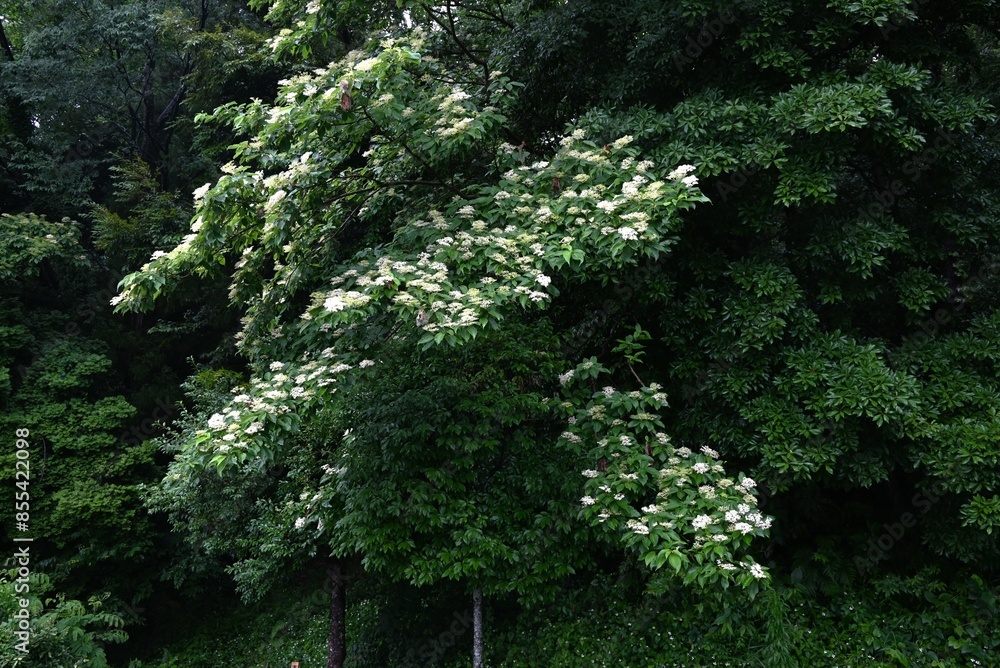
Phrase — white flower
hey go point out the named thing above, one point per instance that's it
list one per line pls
(334, 304)
(743, 528)
(543, 280)
(690, 180)
(275, 198)
(217, 421)
(566, 377)
(757, 571)
(117, 299)
(589, 473)
(277, 366)
(366, 65)
(300, 522)
(710, 452)
(619, 497)
(680, 172)
(157, 255)
(701, 467)
(701, 522)
(364, 364)
(588, 501)
(651, 509)
(624, 141)
(732, 516)
(628, 233)
(609, 391)
(200, 192)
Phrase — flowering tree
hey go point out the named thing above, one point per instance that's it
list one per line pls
(377, 220)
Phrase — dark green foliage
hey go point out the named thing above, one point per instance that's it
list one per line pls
(826, 316)
(446, 474)
(63, 632)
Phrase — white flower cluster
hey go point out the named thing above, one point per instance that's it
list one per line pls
(745, 519)
(463, 268)
(273, 395)
(637, 527)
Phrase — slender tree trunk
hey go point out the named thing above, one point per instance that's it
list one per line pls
(336, 640)
(477, 628)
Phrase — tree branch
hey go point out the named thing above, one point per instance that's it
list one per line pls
(450, 29)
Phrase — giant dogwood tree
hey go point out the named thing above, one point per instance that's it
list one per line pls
(782, 213)
(391, 251)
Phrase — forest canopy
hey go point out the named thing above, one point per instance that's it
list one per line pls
(681, 312)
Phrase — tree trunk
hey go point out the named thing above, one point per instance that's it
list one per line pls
(477, 628)
(336, 640)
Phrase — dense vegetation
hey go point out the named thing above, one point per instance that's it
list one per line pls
(526, 333)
